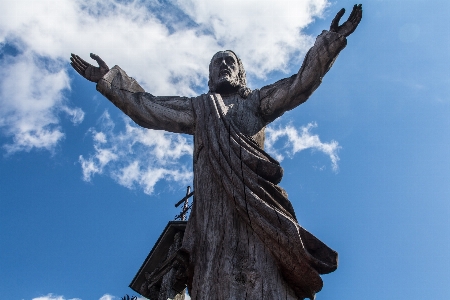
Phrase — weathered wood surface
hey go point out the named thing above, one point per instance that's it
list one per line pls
(243, 239)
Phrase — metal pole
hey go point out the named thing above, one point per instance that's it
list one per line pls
(183, 216)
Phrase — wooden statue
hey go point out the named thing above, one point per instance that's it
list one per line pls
(242, 238)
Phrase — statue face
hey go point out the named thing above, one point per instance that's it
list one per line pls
(224, 72)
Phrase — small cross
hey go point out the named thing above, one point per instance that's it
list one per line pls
(186, 207)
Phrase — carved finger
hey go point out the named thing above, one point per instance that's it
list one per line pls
(359, 14)
(77, 65)
(80, 71)
(353, 13)
(356, 19)
(356, 14)
(76, 68)
(80, 66)
(100, 61)
(335, 23)
(77, 62)
(74, 57)
(350, 25)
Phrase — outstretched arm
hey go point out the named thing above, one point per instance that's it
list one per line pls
(288, 93)
(174, 114)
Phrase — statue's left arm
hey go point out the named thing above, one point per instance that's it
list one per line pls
(288, 93)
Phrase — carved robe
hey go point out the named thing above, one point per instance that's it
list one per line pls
(243, 239)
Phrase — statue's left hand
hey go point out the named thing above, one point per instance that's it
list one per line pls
(87, 70)
(350, 25)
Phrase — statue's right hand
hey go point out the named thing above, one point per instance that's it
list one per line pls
(87, 70)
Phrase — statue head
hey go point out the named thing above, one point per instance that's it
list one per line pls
(227, 74)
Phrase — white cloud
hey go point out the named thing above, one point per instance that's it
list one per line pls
(266, 34)
(298, 140)
(165, 45)
(137, 157)
(54, 297)
(31, 96)
(107, 297)
(104, 297)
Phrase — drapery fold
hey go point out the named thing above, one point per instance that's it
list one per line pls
(249, 176)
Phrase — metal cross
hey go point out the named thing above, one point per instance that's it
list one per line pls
(186, 207)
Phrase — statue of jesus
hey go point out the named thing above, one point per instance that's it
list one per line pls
(242, 237)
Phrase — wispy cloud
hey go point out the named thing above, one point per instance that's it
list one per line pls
(31, 97)
(137, 157)
(298, 140)
(165, 45)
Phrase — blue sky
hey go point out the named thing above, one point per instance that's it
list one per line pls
(85, 193)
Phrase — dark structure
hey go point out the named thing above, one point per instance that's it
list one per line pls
(163, 275)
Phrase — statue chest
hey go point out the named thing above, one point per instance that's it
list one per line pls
(216, 113)
(243, 113)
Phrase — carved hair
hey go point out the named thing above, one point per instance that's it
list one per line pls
(243, 91)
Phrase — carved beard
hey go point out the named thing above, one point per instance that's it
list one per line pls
(225, 84)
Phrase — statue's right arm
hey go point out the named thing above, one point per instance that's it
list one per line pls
(174, 114)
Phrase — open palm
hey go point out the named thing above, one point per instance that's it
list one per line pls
(87, 70)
